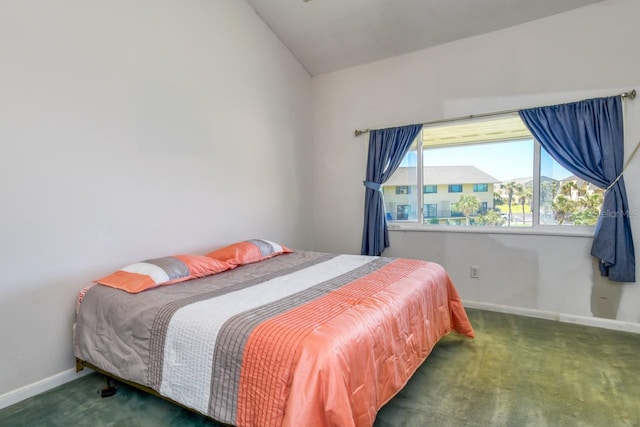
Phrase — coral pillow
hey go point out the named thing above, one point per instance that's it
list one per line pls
(249, 251)
(148, 274)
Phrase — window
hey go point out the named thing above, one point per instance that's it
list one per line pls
(429, 189)
(495, 175)
(403, 212)
(403, 189)
(430, 210)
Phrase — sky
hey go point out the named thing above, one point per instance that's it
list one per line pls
(502, 160)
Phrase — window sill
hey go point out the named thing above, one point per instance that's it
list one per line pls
(534, 231)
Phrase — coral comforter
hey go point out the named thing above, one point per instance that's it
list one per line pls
(304, 339)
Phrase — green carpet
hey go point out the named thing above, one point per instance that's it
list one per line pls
(518, 371)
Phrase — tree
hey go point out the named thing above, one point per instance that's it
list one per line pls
(490, 218)
(567, 189)
(548, 192)
(585, 217)
(525, 193)
(588, 210)
(563, 208)
(511, 188)
(468, 205)
(591, 202)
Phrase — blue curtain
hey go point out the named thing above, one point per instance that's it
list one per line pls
(586, 138)
(387, 148)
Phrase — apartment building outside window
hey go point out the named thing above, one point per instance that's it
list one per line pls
(487, 172)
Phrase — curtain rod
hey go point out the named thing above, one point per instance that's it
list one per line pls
(631, 95)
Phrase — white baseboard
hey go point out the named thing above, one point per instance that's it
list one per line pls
(41, 386)
(596, 322)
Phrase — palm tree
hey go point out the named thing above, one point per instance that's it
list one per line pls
(563, 207)
(548, 192)
(589, 212)
(593, 201)
(468, 205)
(524, 195)
(511, 189)
(567, 188)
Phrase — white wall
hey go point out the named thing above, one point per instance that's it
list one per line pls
(576, 55)
(131, 130)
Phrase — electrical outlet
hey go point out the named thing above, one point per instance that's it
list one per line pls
(475, 272)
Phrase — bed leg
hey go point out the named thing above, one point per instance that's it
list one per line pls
(109, 390)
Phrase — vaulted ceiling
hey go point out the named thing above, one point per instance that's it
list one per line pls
(329, 35)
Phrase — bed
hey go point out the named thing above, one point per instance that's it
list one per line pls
(301, 339)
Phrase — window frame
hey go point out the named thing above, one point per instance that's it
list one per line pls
(408, 211)
(485, 186)
(435, 188)
(403, 187)
(421, 223)
(424, 210)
